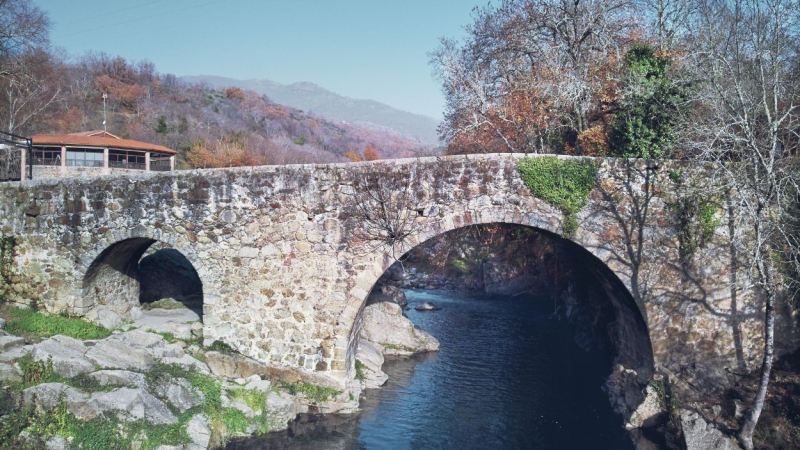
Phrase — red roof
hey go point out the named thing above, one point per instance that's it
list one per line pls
(99, 139)
(100, 133)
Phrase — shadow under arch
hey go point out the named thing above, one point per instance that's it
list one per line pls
(622, 320)
(121, 275)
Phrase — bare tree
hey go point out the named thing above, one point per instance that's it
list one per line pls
(746, 122)
(670, 19)
(385, 208)
(23, 27)
(27, 90)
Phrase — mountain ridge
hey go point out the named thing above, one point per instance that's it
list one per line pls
(312, 97)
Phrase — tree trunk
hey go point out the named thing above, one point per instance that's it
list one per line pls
(749, 426)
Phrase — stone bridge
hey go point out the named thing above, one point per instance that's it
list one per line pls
(286, 265)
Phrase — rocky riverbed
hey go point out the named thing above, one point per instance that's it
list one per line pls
(149, 386)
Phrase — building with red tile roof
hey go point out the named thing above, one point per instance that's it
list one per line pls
(93, 153)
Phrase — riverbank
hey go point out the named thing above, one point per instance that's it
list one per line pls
(67, 383)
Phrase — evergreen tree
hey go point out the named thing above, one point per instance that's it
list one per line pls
(649, 106)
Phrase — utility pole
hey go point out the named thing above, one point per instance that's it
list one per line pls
(104, 111)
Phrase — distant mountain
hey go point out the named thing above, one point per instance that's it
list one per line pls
(315, 99)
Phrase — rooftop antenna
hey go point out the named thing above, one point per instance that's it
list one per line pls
(104, 111)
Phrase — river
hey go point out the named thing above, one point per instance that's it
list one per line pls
(509, 375)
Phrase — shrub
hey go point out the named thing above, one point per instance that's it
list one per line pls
(311, 391)
(360, 375)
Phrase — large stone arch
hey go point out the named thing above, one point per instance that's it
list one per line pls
(537, 215)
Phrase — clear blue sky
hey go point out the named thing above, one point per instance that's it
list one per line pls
(372, 49)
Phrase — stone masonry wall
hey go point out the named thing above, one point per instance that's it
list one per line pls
(286, 271)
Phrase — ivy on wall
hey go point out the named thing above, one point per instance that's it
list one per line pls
(694, 218)
(563, 183)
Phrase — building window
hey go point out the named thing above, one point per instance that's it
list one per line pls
(84, 158)
(46, 157)
(126, 160)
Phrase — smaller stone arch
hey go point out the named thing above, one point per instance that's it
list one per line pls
(138, 269)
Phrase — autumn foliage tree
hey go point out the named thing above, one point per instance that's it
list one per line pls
(230, 151)
(531, 75)
(370, 154)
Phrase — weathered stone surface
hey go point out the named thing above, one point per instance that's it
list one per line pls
(139, 339)
(426, 306)
(182, 323)
(108, 316)
(187, 362)
(133, 404)
(10, 372)
(119, 378)
(281, 409)
(46, 396)
(648, 411)
(66, 353)
(259, 385)
(2, 323)
(9, 342)
(384, 324)
(16, 352)
(199, 432)
(372, 358)
(119, 354)
(701, 435)
(178, 392)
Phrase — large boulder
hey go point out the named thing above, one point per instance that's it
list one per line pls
(132, 405)
(67, 354)
(395, 294)
(109, 316)
(371, 357)
(9, 342)
(46, 396)
(281, 409)
(119, 378)
(701, 435)
(10, 372)
(384, 324)
(199, 432)
(119, 354)
(178, 392)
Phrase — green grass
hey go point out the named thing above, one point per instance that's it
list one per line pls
(397, 347)
(219, 346)
(312, 392)
(164, 303)
(256, 400)
(23, 322)
(360, 376)
(169, 337)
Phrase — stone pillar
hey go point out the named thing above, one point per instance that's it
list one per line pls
(23, 161)
(172, 162)
(105, 161)
(147, 161)
(63, 168)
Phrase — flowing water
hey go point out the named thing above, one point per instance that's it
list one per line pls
(509, 375)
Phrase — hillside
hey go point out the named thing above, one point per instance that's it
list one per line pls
(312, 98)
(209, 127)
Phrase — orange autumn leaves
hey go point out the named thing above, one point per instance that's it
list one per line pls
(370, 154)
